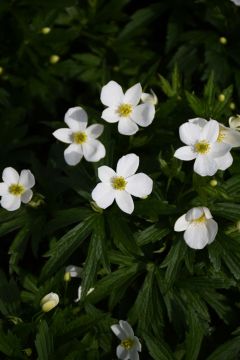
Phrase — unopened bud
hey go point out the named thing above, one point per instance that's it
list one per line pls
(232, 106)
(45, 30)
(1, 70)
(49, 302)
(221, 97)
(67, 276)
(54, 59)
(213, 183)
(223, 40)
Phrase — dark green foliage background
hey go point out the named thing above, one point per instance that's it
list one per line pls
(183, 304)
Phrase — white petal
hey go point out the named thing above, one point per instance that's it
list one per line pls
(212, 228)
(207, 212)
(143, 114)
(127, 165)
(111, 94)
(79, 294)
(27, 179)
(10, 202)
(194, 213)
(232, 137)
(122, 353)
(198, 121)
(234, 121)
(189, 133)
(118, 331)
(205, 166)
(110, 115)
(149, 98)
(64, 135)
(185, 153)
(95, 130)
(76, 118)
(103, 195)
(210, 131)
(26, 196)
(139, 185)
(93, 150)
(224, 162)
(196, 236)
(127, 127)
(133, 354)
(127, 328)
(138, 344)
(181, 224)
(219, 149)
(74, 271)
(10, 176)
(105, 173)
(124, 201)
(133, 95)
(3, 188)
(73, 154)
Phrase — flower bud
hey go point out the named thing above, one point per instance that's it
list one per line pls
(223, 40)
(232, 106)
(54, 59)
(213, 183)
(45, 30)
(149, 98)
(221, 97)
(67, 276)
(49, 302)
(1, 70)
(234, 122)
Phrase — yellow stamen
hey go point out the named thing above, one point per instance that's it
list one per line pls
(119, 183)
(221, 136)
(127, 343)
(16, 189)
(79, 137)
(201, 219)
(202, 147)
(124, 110)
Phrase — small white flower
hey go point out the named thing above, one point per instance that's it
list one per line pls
(16, 189)
(130, 344)
(202, 144)
(120, 185)
(49, 301)
(80, 293)
(234, 122)
(149, 98)
(199, 226)
(82, 138)
(236, 2)
(124, 108)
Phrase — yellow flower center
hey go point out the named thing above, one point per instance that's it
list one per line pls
(127, 343)
(124, 110)
(119, 183)
(79, 137)
(202, 147)
(221, 136)
(16, 189)
(201, 219)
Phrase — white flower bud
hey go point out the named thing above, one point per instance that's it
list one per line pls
(49, 301)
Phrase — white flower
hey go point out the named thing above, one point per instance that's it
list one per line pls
(124, 108)
(130, 344)
(236, 2)
(72, 271)
(234, 122)
(120, 185)
(49, 301)
(199, 226)
(80, 293)
(202, 144)
(149, 98)
(82, 138)
(16, 189)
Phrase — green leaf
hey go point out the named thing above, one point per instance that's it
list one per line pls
(195, 334)
(229, 350)
(44, 341)
(151, 234)
(195, 104)
(158, 349)
(226, 210)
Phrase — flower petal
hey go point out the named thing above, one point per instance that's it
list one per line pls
(3, 188)
(10, 202)
(198, 121)
(26, 179)
(207, 212)
(127, 328)
(93, 150)
(143, 114)
(122, 353)
(110, 115)
(118, 331)
(94, 131)
(73, 154)
(133, 354)
(124, 201)
(194, 213)
(224, 162)
(111, 94)
(138, 344)
(76, 118)
(127, 165)
(64, 135)
(103, 195)
(133, 95)
(10, 176)
(219, 149)
(185, 153)
(212, 228)
(189, 133)
(105, 174)
(74, 271)
(210, 131)
(205, 166)
(232, 137)
(139, 185)
(26, 196)
(127, 127)
(196, 236)
(181, 224)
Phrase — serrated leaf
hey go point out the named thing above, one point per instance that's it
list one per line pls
(158, 349)
(44, 341)
(151, 234)
(194, 336)
(229, 350)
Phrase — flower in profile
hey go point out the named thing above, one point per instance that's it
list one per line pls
(15, 188)
(124, 108)
(149, 98)
(119, 185)
(234, 122)
(130, 344)
(82, 139)
(202, 145)
(49, 301)
(72, 271)
(199, 227)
